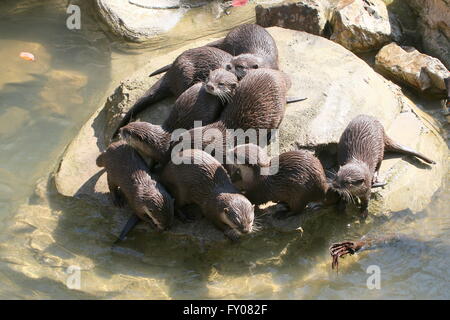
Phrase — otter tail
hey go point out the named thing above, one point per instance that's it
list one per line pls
(392, 146)
(131, 223)
(100, 161)
(217, 44)
(157, 92)
(160, 70)
(293, 100)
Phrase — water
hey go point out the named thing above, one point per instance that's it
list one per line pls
(44, 103)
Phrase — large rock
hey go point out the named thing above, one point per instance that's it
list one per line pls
(162, 23)
(409, 66)
(362, 25)
(434, 26)
(136, 23)
(307, 15)
(338, 85)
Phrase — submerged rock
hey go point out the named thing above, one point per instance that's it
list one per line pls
(310, 15)
(362, 25)
(338, 85)
(407, 65)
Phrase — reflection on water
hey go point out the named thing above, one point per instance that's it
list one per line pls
(43, 104)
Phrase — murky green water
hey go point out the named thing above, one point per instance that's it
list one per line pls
(44, 103)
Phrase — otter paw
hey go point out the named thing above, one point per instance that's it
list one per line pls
(341, 249)
(232, 234)
(118, 200)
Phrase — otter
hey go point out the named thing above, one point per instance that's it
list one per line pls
(190, 67)
(203, 101)
(251, 45)
(295, 178)
(259, 101)
(151, 141)
(360, 152)
(446, 101)
(129, 181)
(200, 179)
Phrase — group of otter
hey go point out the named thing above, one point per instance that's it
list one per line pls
(232, 83)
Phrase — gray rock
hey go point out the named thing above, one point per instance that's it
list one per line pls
(362, 25)
(136, 23)
(418, 70)
(338, 85)
(308, 15)
(434, 26)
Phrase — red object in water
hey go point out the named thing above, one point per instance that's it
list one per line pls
(27, 56)
(239, 3)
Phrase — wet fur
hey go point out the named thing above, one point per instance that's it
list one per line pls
(206, 183)
(246, 39)
(190, 67)
(300, 178)
(202, 102)
(360, 152)
(129, 179)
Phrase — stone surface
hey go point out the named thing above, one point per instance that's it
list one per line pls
(434, 26)
(136, 23)
(307, 15)
(338, 85)
(362, 25)
(409, 66)
(69, 83)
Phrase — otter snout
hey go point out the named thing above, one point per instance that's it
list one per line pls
(247, 229)
(210, 88)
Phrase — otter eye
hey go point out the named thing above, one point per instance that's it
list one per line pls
(360, 181)
(240, 67)
(255, 66)
(221, 84)
(228, 67)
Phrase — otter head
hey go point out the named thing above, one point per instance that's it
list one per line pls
(244, 164)
(353, 179)
(241, 64)
(158, 206)
(151, 141)
(222, 84)
(238, 213)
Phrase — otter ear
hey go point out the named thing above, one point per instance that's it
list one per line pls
(253, 206)
(225, 210)
(228, 67)
(255, 66)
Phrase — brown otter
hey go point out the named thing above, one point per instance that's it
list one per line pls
(295, 178)
(203, 101)
(258, 103)
(360, 152)
(195, 177)
(252, 46)
(190, 67)
(256, 108)
(446, 101)
(129, 180)
(150, 140)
